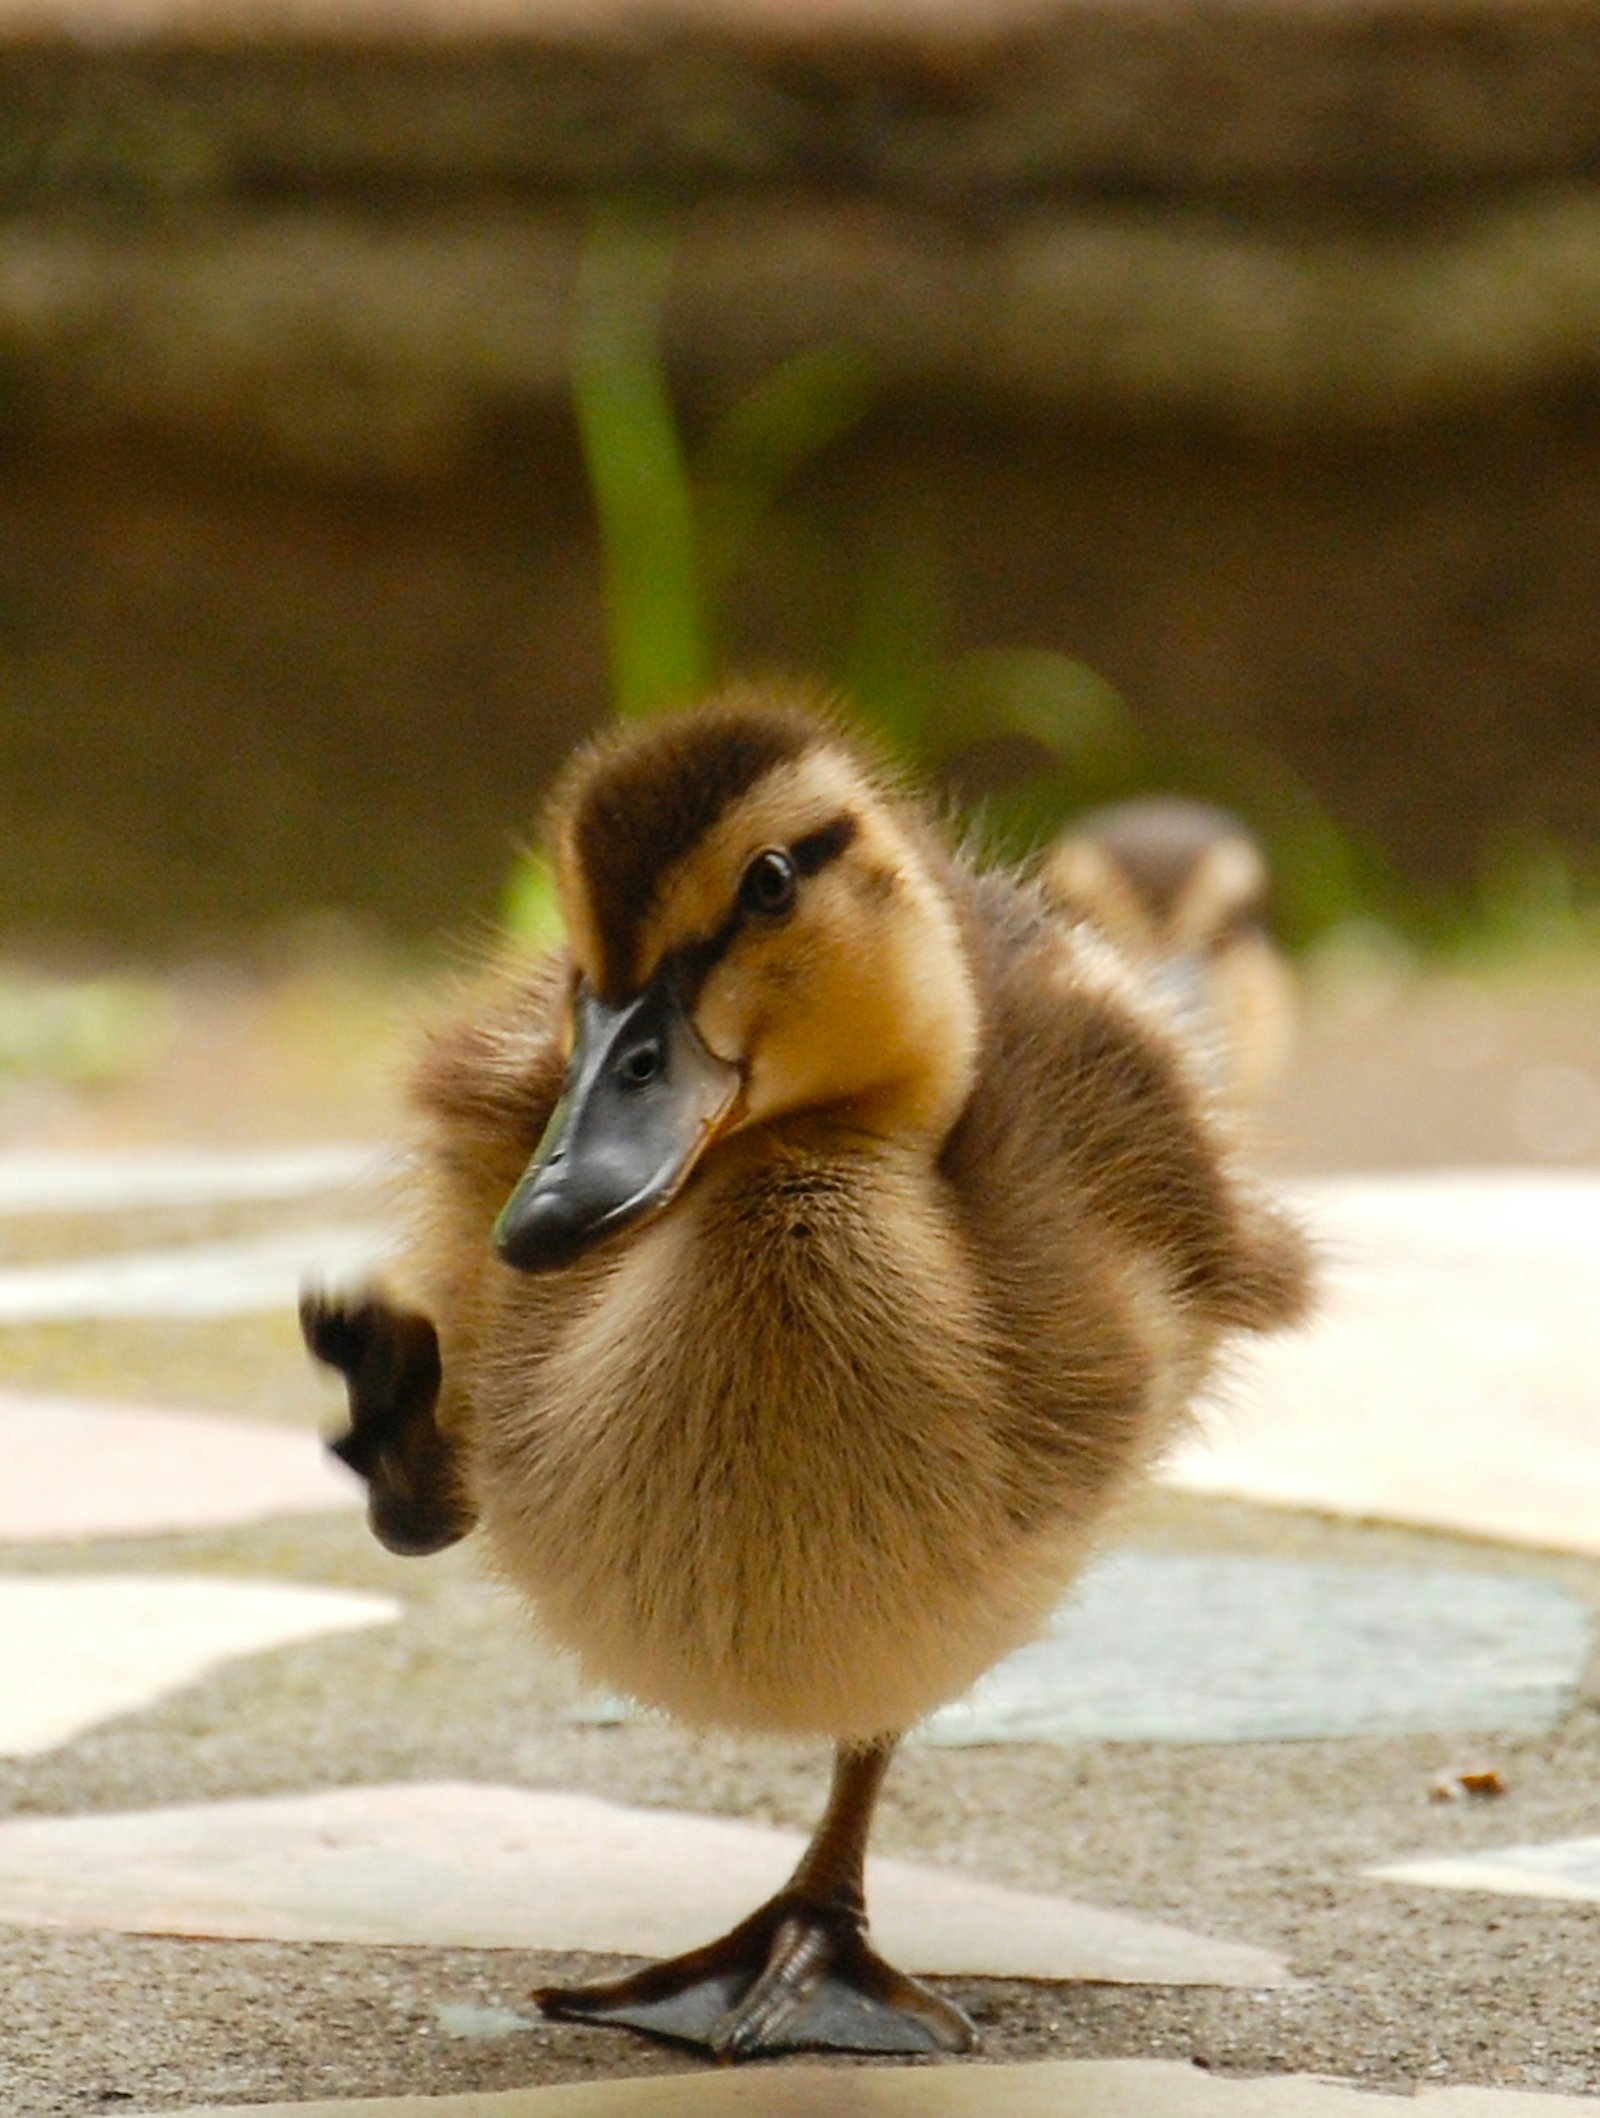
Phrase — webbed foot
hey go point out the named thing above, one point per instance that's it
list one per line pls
(799, 1974)
(389, 1358)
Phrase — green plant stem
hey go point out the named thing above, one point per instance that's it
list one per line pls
(655, 620)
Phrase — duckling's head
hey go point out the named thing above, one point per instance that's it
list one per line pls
(1162, 877)
(1182, 888)
(757, 935)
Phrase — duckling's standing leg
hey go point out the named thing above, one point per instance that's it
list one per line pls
(799, 1972)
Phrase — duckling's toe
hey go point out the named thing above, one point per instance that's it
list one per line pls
(797, 1975)
(825, 1987)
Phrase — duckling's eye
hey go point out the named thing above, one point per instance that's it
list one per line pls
(769, 883)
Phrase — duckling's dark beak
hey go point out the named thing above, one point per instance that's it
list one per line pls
(642, 1100)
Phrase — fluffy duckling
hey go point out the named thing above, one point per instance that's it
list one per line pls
(801, 1264)
(1181, 889)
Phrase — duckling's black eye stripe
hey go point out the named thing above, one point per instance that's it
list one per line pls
(690, 966)
(817, 848)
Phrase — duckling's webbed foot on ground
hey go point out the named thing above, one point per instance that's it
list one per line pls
(799, 1974)
(389, 1358)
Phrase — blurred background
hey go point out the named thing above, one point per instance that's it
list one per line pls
(1106, 400)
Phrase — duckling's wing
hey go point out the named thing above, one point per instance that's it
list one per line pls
(1092, 1111)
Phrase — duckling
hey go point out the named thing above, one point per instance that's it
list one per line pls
(799, 1266)
(1181, 889)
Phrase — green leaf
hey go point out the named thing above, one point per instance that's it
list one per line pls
(532, 911)
(766, 438)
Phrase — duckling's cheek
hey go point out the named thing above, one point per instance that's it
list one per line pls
(722, 1016)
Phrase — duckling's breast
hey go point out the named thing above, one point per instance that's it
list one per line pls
(761, 1477)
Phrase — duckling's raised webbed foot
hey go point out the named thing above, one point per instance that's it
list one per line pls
(389, 1358)
(798, 1974)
